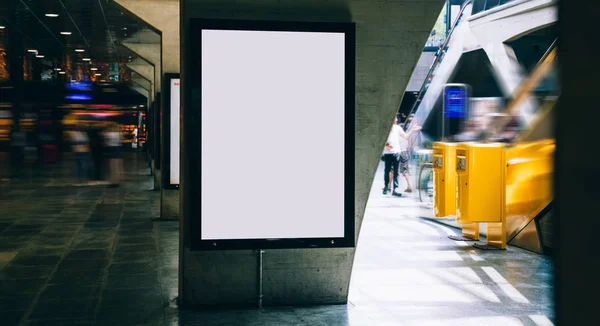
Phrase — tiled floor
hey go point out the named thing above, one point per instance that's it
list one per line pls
(96, 256)
(407, 272)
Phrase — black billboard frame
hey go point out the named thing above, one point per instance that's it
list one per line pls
(166, 131)
(193, 100)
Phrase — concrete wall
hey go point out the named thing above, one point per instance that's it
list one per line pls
(390, 39)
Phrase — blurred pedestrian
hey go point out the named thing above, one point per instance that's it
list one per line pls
(112, 139)
(396, 157)
(81, 150)
(17, 155)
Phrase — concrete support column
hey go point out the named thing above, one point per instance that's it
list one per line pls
(390, 38)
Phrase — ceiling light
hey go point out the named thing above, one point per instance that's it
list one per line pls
(93, 69)
(2, 27)
(86, 59)
(79, 50)
(124, 28)
(32, 51)
(52, 15)
(65, 33)
(57, 69)
(98, 74)
(39, 56)
(62, 72)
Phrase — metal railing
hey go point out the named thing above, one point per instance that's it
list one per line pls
(485, 5)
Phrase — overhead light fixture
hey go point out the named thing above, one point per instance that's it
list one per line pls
(65, 33)
(57, 69)
(52, 15)
(32, 51)
(62, 72)
(86, 59)
(124, 28)
(39, 56)
(2, 27)
(93, 69)
(79, 50)
(97, 74)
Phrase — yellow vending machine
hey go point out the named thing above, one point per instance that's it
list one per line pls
(481, 178)
(444, 167)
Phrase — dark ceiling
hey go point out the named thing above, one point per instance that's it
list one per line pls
(95, 26)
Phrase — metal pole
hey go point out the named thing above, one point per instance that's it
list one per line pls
(260, 277)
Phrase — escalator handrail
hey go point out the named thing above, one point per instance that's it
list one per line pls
(436, 61)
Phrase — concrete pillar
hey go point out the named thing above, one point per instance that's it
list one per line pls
(390, 39)
(577, 173)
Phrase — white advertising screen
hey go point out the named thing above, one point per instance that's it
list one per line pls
(272, 134)
(175, 129)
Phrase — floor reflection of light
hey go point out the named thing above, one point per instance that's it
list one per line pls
(423, 255)
(456, 275)
(541, 320)
(422, 294)
(446, 229)
(475, 256)
(420, 228)
(469, 321)
(505, 286)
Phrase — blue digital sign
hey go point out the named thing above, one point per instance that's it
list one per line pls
(79, 86)
(455, 102)
(79, 97)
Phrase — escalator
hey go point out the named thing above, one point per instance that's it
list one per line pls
(480, 53)
(440, 71)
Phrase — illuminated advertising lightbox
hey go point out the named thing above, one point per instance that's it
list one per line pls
(276, 133)
(174, 130)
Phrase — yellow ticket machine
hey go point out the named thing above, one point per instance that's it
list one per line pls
(481, 178)
(444, 167)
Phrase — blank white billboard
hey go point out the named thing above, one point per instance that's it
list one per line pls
(272, 128)
(175, 130)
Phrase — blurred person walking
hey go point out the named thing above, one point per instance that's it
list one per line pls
(17, 155)
(81, 150)
(112, 138)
